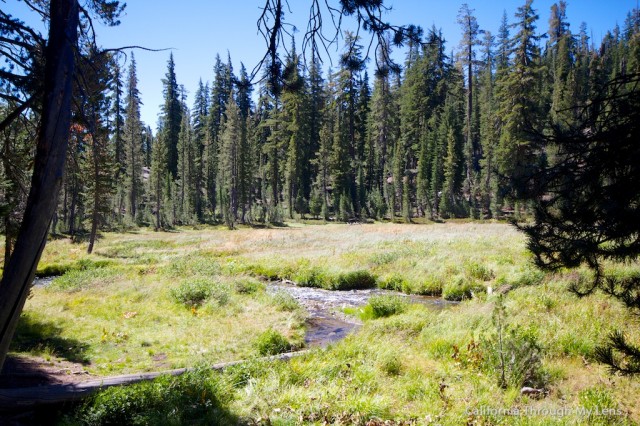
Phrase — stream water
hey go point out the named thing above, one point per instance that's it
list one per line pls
(42, 282)
(326, 324)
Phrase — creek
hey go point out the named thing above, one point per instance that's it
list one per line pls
(326, 322)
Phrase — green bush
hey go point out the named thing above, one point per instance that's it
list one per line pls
(512, 353)
(272, 342)
(266, 272)
(596, 401)
(55, 269)
(390, 364)
(385, 306)
(311, 277)
(194, 398)
(192, 292)
(432, 285)
(354, 280)
(461, 288)
(221, 293)
(77, 279)
(394, 282)
(479, 271)
(527, 277)
(283, 301)
(190, 265)
(248, 285)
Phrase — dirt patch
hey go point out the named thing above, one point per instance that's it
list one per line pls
(28, 371)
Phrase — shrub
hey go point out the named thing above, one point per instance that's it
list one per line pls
(527, 277)
(190, 265)
(195, 398)
(76, 279)
(460, 289)
(354, 280)
(272, 342)
(385, 306)
(517, 362)
(479, 271)
(596, 401)
(283, 301)
(311, 277)
(394, 282)
(513, 353)
(221, 293)
(431, 286)
(192, 292)
(55, 269)
(267, 272)
(247, 285)
(390, 363)
(52, 270)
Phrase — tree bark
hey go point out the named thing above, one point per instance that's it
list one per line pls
(95, 216)
(51, 150)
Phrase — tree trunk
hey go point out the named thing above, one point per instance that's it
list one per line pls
(95, 216)
(158, 203)
(53, 135)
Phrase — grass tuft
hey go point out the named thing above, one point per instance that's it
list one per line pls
(272, 342)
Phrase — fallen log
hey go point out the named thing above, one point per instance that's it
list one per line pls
(33, 397)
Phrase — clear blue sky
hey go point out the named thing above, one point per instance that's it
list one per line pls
(198, 29)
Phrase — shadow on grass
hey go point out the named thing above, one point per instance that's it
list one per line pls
(38, 336)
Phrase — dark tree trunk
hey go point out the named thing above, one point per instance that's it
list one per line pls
(158, 205)
(53, 135)
(95, 216)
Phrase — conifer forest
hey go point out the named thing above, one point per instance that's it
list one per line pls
(433, 138)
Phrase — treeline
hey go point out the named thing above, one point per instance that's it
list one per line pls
(434, 139)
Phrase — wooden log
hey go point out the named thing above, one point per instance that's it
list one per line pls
(33, 397)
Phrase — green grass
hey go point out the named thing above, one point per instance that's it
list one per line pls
(406, 362)
(195, 398)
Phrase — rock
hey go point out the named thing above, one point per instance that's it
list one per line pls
(529, 391)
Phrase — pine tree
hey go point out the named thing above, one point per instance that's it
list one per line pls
(97, 161)
(186, 191)
(220, 90)
(246, 153)
(261, 136)
(347, 139)
(559, 59)
(171, 116)
(230, 143)
(361, 127)
(117, 136)
(488, 130)
(323, 160)
(16, 168)
(518, 109)
(317, 100)
(294, 133)
(200, 116)
(157, 181)
(133, 144)
(470, 32)
(380, 135)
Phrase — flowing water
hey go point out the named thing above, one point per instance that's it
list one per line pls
(326, 324)
(42, 282)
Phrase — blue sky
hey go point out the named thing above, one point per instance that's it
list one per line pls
(198, 29)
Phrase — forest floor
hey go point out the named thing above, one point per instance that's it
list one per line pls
(149, 301)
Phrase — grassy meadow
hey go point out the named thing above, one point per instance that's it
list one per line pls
(150, 301)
